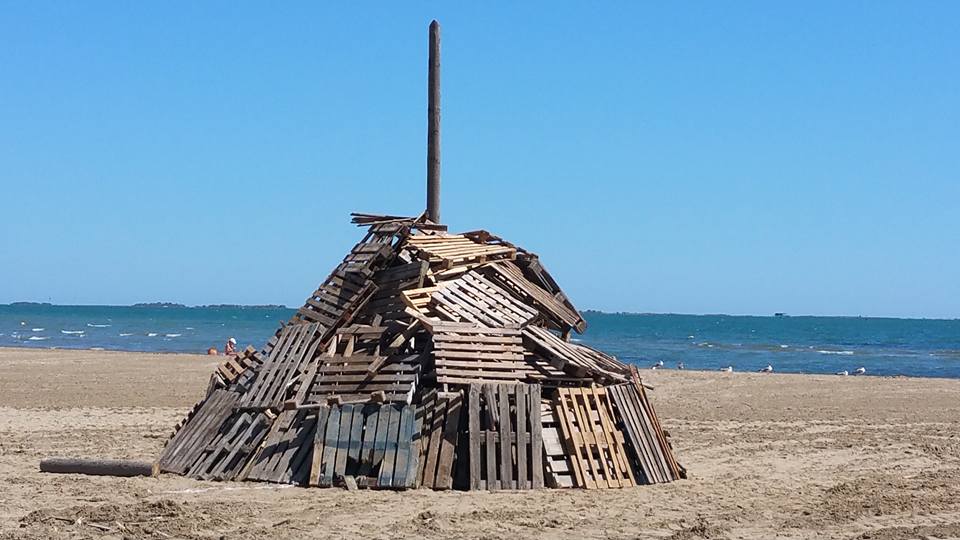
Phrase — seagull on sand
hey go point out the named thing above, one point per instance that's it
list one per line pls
(860, 371)
(728, 369)
(659, 364)
(843, 373)
(768, 369)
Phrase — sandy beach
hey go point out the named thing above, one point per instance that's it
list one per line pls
(769, 456)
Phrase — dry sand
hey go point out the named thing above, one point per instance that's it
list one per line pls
(769, 456)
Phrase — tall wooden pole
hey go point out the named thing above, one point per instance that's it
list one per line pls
(433, 126)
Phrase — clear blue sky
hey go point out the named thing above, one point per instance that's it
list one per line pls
(699, 158)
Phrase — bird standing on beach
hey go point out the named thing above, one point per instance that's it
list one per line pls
(728, 369)
(659, 364)
(860, 371)
(768, 369)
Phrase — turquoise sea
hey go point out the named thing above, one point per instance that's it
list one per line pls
(912, 347)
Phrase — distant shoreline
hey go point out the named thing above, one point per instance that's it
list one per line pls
(177, 305)
(174, 305)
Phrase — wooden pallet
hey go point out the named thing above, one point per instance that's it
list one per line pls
(509, 276)
(285, 454)
(372, 443)
(592, 440)
(447, 250)
(355, 377)
(297, 344)
(575, 360)
(440, 436)
(387, 302)
(475, 299)
(557, 470)
(506, 448)
(185, 447)
(238, 438)
(465, 354)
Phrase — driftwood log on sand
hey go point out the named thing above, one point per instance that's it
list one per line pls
(100, 467)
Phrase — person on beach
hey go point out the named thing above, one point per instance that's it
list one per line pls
(230, 348)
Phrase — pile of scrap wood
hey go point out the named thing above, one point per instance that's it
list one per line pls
(427, 359)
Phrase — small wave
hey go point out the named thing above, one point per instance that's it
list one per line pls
(784, 346)
(37, 329)
(96, 348)
(91, 325)
(189, 328)
(845, 353)
(122, 334)
(37, 338)
(73, 332)
(173, 335)
(151, 334)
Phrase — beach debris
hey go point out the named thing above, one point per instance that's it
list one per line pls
(767, 369)
(100, 467)
(428, 359)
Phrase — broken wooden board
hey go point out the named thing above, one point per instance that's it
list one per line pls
(592, 440)
(505, 437)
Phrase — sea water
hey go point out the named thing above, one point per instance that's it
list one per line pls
(884, 346)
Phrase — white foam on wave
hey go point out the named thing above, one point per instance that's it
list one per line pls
(173, 335)
(122, 334)
(37, 329)
(73, 332)
(784, 346)
(189, 328)
(845, 353)
(96, 348)
(37, 338)
(151, 334)
(91, 325)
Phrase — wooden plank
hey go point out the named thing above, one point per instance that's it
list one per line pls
(343, 439)
(433, 449)
(473, 410)
(331, 440)
(380, 440)
(448, 445)
(388, 463)
(506, 454)
(401, 467)
(493, 478)
(371, 414)
(536, 437)
(319, 441)
(522, 430)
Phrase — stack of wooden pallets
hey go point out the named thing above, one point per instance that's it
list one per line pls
(428, 359)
